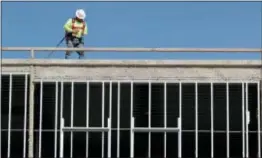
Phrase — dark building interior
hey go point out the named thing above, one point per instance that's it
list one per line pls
(140, 112)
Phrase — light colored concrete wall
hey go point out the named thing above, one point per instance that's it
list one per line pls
(136, 69)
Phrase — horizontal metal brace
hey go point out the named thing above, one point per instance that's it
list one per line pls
(85, 129)
(155, 130)
(125, 49)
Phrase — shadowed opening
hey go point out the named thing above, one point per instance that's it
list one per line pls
(140, 112)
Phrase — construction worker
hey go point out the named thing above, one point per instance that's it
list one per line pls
(75, 29)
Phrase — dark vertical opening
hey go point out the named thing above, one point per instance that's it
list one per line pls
(220, 120)
(114, 120)
(204, 119)
(188, 119)
(125, 102)
(235, 121)
(140, 113)
(157, 119)
(253, 126)
(79, 146)
(48, 118)
(172, 102)
(4, 114)
(95, 119)
(17, 114)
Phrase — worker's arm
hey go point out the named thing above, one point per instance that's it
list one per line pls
(68, 25)
(86, 30)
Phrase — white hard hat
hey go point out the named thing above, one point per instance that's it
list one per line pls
(80, 13)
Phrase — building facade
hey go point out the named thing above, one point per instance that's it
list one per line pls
(130, 108)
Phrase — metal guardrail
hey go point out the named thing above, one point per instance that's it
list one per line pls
(118, 49)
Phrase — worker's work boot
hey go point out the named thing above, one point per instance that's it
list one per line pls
(67, 55)
(81, 55)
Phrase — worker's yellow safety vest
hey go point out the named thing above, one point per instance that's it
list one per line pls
(69, 35)
(76, 27)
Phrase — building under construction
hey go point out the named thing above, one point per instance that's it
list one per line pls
(131, 108)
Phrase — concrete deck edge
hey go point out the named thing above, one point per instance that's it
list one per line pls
(132, 63)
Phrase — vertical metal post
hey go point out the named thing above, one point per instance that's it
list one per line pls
(9, 115)
(179, 135)
(109, 122)
(25, 116)
(227, 115)
(109, 138)
(131, 121)
(87, 117)
(196, 119)
(56, 115)
(243, 120)
(149, 118)
(212, 119)
(40, 120)
(32, 54)
(165, 118)
(62, 124)
(31, 112)
(247, 121)
(103, 117)
(180, 125)
(61, 143)
(110, 118)
(72, 119)
(132, 142)
(118, 119)
(258, 120)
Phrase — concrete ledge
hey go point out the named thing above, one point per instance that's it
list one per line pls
(133, 63)
(82, 70)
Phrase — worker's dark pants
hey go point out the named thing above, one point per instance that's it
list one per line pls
(74, 43)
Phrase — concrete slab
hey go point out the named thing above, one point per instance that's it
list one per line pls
(136, 69)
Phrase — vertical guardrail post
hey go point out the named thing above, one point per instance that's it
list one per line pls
(32, 53)
(31, 111)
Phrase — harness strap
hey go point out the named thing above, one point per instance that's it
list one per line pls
(74, 27)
